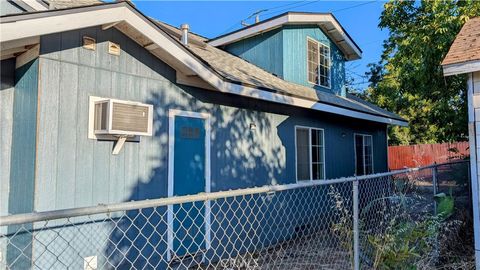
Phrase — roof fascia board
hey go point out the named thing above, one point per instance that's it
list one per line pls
(53, 24)
(20, 43)
(289, 18)
(250, 31)
(55, 12)
(10, 49)
(461, 68)
(304, 103)
(315, 18)
(127, 13)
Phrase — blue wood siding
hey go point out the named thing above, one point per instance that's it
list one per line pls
(284, 52)
(7, 84)
(74, 171)
(7, 87)
(295, 57)
(22, 164)
(83, 172)
(264, 50)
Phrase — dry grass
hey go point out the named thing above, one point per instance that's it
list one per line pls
(320, 250)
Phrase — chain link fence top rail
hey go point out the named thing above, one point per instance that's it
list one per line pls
(331, 224)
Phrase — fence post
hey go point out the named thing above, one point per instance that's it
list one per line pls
(356, 246)
(435, 186)
(435, 191)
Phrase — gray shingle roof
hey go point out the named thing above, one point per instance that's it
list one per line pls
(60, 4)
(238, 70)
(235, 69)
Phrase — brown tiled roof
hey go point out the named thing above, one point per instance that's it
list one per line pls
(466, 46)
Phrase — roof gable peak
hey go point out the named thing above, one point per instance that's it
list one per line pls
(326, 21)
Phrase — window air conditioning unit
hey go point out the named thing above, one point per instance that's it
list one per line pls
(119, 117)
(119, 120)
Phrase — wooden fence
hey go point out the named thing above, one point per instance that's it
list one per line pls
(418, 155)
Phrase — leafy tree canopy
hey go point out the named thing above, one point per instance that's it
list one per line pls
(409, 79)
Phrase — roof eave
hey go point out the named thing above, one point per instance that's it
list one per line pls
(23, 27)
(461, 68)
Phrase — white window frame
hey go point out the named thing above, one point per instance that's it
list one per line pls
(318, 63)
(363, 150)
(318, 59)
(310, 153)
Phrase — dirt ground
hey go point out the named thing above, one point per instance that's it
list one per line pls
(320, 250)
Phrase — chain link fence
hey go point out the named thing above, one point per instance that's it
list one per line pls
(357, 222)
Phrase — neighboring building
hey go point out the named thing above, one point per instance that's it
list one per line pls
(279, 115)
(464, 58)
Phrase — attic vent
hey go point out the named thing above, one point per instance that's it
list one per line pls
(113, 48)
(89, 43)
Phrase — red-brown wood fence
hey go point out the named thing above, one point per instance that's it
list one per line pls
(410, 156)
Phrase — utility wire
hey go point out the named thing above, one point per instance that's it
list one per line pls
(286, 5)
(292, 6)
(357, 74)
(298, 4)
(354, 6)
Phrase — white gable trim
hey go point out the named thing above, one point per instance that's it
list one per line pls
(296, 18)
(65, 20)
(250, 31)
(58, 23)
(461, 68)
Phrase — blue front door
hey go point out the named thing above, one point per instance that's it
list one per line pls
(189, 178)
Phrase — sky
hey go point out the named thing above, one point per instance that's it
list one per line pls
(213, 18)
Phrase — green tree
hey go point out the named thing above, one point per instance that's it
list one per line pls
(409, 79)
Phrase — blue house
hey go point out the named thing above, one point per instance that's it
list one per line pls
(263, 105)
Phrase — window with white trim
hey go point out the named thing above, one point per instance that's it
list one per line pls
(310, 153)
(363, 154)
(318, 63)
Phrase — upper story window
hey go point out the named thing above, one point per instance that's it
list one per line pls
(310, 154)
(363, 154)
(318, 63)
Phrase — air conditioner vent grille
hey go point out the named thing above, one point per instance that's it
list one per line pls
(101, 110)
(130, 117)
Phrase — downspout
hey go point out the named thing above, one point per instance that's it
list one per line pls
(473, 168)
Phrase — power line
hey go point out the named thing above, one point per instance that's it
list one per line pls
(270, 9)
(293, 6)
(358, 83)
(353, 72)
(301, 5)
(290, 4)
(352, 66)
(354, 6)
